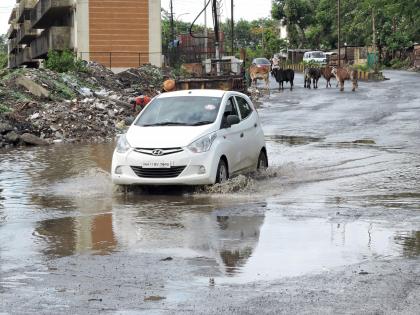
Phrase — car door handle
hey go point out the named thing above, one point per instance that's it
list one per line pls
(242, 135)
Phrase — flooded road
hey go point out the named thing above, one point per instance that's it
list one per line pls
(340, 201)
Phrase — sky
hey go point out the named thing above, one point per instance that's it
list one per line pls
(185, 10)
(5, 10)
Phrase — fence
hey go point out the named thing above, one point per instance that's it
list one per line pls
(120, 59)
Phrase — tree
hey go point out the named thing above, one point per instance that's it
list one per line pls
(3, 51)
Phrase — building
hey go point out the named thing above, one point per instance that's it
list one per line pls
(117, 33)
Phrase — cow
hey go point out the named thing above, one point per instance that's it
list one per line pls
(260, 73)
(193, 69)
(311, 74)
(327, 74)
(343, 74)
(281, 75)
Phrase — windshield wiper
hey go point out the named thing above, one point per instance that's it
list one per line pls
(167, 123)
(200, 123)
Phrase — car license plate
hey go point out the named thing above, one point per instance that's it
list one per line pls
(161, 164)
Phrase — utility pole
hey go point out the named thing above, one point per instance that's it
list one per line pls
(206, 35)
(172, 35)
(339, 33)
(216, 34)
(374, 39)
(232, 24)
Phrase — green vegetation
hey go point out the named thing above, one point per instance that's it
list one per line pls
(313, 23)
(399, 64)
(64, 61)
(4, 109)
(3, 51)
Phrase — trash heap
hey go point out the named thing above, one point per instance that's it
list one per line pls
(40, 106)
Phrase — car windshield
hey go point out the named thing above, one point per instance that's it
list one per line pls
(318, 54)
(180, 111)
(262, 61)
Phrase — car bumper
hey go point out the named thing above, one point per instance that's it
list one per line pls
(190, 175)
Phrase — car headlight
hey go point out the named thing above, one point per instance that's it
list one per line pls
(203, 144)
(122, 145)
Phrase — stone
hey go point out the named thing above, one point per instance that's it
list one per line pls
(31, 139)
(33, 87)
(12, 137)
(5, 128)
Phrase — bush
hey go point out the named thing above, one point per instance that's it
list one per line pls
(64, 61)
(362, 67)
(3, 60)
(4, 109)
(400, 64)
(311, 64)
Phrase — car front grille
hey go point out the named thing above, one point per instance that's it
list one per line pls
(161, 152)
(172, 172)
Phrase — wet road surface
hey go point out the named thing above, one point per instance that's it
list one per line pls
(332, 227)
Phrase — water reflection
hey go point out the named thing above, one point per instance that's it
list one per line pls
(410, 242)
(69, 236)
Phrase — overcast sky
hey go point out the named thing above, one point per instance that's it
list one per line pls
(185, 10)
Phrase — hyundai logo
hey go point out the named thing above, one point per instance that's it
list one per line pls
(157, 152)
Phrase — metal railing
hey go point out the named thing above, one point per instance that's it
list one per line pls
(120, 59)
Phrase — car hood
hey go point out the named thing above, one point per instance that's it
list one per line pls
(166, 136)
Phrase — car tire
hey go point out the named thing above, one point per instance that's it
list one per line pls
(262, 163)
(222, 174)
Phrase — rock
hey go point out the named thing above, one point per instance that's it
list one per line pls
(12, 137)
(100, 106)
(31, 139)
(5, 128)
(34, 116)
(54, 127)
(33, 87)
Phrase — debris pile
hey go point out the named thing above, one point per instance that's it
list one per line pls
(40, 106)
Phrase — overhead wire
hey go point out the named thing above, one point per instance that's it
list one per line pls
(192, 24)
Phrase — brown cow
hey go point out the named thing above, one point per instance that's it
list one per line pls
(343, 74)
(193, 69)
(260, 73)
(327, 74)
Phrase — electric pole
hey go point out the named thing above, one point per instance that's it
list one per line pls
(172, 39)
(206, 35)
(339, 33)
(232, 23)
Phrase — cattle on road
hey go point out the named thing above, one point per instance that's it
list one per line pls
(311, 74)
(281, 76)
(327, 74)
(260, 73)
(343, 74)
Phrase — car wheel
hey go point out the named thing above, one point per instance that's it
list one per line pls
(222, 172)
(262, 161)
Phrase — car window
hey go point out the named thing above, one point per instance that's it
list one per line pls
(229, 110)
(180, 110)
(244, 107)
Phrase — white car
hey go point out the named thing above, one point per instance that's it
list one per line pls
(315, 56)
(192, 137)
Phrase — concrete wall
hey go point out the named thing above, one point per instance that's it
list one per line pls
(81, 28)
(155, 33)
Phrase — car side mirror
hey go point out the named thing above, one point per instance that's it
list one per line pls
(232, 120)
(129, 120)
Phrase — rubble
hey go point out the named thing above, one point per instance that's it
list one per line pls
(39, 106)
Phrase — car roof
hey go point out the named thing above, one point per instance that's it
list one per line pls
(197, 92)
(261, 59)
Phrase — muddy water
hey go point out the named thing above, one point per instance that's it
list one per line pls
(343, 188)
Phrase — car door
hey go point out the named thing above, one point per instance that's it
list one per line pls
(232, 137)
(249, 129)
